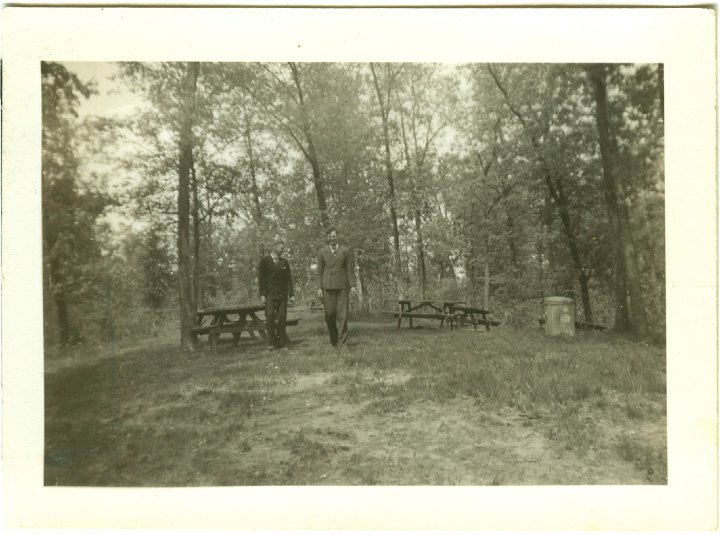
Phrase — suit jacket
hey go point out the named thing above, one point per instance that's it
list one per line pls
(335, 271)
(275, 279)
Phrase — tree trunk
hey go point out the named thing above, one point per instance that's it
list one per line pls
(187, 307)
(486, 280)
(391, 185)
(420, 253)
(557, 193)
(412, 175)
(511, 241)
(622, 310)
(58, 297)
(450, 270)
(196, 234)
(253, 176)
(585, 295)
(540, 252)
(471, 271)
(311, 153)
(638, 314)
(153, 278)
(616, 204)
(547, 247)
(63, 317)
(486, 284)
(477, 288)
(254, 189)
(318, 182)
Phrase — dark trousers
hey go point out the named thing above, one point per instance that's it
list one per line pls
(335, 303)
(275, 316)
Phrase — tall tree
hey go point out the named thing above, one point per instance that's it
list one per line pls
(310, 153)
(250, 151)
(537, 128)
(424, 99)
(615, 197)
(384, 96)
(636, 121)
(170, 124)
(282, 93)
(70, 209)
(188, 305)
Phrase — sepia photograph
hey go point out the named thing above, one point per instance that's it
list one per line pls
(353, 274)
(271, 268)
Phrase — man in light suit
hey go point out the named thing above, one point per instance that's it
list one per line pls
(335, 279)
(276, 287)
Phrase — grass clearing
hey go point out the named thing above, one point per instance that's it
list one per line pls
(401, 407)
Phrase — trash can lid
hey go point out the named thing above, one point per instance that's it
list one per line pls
(558, 300)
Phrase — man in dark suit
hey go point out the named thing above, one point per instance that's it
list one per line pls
(276, 287)
(335, 279)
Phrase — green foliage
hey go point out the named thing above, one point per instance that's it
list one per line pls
(70, 207)
(497, 169)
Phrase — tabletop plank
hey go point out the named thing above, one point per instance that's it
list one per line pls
(236, 309)
(471, 309)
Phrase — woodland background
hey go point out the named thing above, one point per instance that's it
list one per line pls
(498, 184)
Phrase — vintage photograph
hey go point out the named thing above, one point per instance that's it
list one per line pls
(353, 274)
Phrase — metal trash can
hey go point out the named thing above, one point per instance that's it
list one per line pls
(559, 316)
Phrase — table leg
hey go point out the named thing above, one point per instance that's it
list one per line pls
(450, 313)
(255, 325)
(404, 307)
(213, 337)
(242, 322)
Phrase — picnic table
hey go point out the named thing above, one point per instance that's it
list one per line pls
(426, 309)
(234, 320)
(475, 315)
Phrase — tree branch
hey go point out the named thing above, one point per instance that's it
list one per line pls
(508, 101)
(281, 83)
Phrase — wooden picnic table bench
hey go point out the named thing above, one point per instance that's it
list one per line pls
(234, 320)
(315, 306)
(425, 309)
